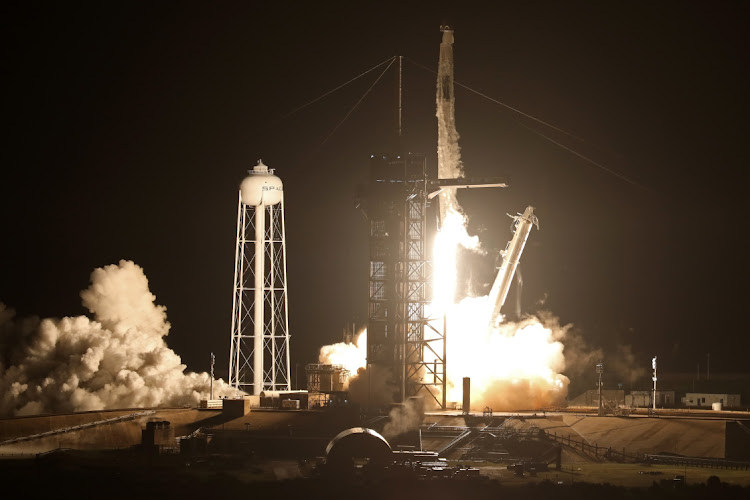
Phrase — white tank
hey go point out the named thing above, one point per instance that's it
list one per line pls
(261, 187)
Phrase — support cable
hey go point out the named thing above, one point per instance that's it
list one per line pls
(526, 115)
(359, 101)
(287, 115)
(616, 174)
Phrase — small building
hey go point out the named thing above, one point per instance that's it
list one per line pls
(590, 398)
(283, 399)
(326, 378)
(236, 407)
(638, 399)
(642, 399)
(157, 436)
(326, 384)
(703, 400)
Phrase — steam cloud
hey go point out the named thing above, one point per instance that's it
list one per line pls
(350, 355)
(404, 418)
(117, 360)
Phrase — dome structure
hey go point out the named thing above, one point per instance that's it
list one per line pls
(357, 445)
(261, 187)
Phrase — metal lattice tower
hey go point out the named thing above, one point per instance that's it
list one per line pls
(259, 351)
(400, 336)
(395, 202)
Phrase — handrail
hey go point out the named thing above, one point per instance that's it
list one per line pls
(77, 427)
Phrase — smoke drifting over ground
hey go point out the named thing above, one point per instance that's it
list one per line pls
(118, 359)
(404, 418)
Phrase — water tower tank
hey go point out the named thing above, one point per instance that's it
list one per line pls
(261, 187)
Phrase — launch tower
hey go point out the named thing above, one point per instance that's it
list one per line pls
(403, 343)
(395, 203)
(259, 351)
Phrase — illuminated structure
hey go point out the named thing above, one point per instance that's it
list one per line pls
(259, 351)
(653, 365)
(395, 201)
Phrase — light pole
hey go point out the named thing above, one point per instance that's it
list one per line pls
(599, 371)
(213, 358)
(653, 365)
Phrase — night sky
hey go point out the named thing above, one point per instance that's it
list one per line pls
(129, 126)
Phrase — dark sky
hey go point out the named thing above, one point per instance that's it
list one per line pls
(129, 126)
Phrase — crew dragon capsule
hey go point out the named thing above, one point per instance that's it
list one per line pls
(511, 257)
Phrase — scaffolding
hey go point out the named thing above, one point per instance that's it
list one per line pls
(395, 203)
(326, 384)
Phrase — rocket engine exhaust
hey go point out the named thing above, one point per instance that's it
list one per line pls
(511, 257)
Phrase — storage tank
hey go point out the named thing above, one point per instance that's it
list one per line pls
(261, 187)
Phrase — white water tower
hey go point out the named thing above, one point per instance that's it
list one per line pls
(259, 351)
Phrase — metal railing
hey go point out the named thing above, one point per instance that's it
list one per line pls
(63, 430)
(602, 452)
(713, 463)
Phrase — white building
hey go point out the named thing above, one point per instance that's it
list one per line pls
(642, 399)
(698, 399)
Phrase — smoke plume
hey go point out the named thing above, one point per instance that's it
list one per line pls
(512, 365)
(118, 359)
(372, 386)
(351, 355)
(625, 367)
(404, 418)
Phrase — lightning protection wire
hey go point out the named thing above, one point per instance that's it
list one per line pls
(287, 115)
(542, 122)
(359, 101)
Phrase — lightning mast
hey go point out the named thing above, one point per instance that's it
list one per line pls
(259, 351)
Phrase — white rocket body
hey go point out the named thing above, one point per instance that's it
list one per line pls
(511, 257)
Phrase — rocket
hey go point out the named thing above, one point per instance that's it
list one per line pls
(511, 256)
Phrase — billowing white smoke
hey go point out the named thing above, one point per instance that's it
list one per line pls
(118, 359)
(373, 386)
(351, 355)
(513, 365)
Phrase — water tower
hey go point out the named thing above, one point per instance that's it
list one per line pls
(259, 352)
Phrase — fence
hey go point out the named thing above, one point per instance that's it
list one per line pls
(714, 463)
(623, 456)
(598, 451)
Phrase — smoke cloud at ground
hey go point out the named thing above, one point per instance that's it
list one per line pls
(372, 386)
(404, 418)
(351, 355)
(118, 359)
